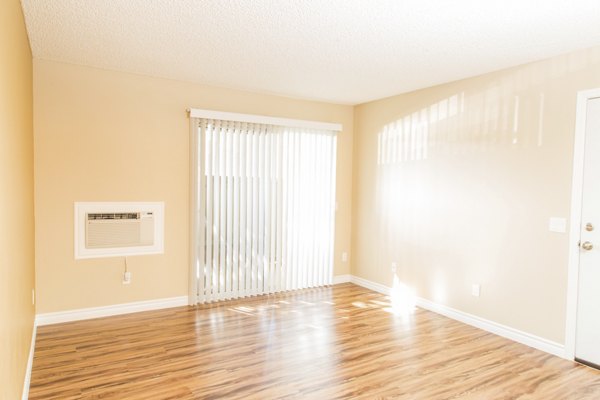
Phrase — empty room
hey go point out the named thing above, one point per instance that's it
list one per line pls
(299, 199)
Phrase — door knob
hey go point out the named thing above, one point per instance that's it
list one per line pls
(587, 245)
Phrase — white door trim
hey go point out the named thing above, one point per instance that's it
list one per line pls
(574, 233)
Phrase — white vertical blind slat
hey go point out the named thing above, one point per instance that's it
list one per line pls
(321, 198)
(242, 206)
(195, 283)
(314, 228)
(273, 218)
(216, 212)
(229, 213)
(222, 211)
(267, 215)
(330, 207)
(304, 209)
(208, 263)
(201, 214)
(255, 145)
(289, 214)
(260, 182)
(283, 194)
(296, 195)
(236, 212)
(277, 211)
(249, 197)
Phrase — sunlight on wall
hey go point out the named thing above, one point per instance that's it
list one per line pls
(461, 171)
(403, 298)
(438, 286)
(440, 128)
(408, 138)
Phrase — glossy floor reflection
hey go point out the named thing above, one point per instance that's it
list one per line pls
(340, 342)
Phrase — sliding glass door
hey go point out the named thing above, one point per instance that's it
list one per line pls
(264, 208)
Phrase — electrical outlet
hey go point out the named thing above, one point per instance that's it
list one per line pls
(344, 257)
(394, 267)
(556, 224)
(126, 278)
(476, 289)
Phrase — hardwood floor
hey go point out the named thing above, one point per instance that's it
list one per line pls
(339, 342)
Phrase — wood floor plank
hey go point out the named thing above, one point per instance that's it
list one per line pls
(339, 342)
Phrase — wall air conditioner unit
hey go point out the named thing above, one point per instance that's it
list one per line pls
(118, 229)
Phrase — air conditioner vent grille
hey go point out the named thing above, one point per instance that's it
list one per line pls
(112, 216)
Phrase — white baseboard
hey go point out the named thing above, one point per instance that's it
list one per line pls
(341, 279)
(508, 332)
(27, 380)
(376, 287)
(513, 334)
(107, 311)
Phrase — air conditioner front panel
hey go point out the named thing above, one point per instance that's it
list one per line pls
(124, 233)
(115, 229)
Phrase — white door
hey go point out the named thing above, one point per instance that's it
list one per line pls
(587, 342)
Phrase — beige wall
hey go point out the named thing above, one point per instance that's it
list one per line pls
(16, 200)
(463, 193)
(111, 136)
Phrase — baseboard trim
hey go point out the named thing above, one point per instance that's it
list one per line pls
(27, 380)
(107, 311)
(508, 332)
(341, 279)
(376, 287)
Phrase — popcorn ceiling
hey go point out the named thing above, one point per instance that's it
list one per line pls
(340, 51)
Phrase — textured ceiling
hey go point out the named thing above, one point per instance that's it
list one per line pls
(342, 51)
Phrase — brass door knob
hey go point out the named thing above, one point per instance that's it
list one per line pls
(587, 245)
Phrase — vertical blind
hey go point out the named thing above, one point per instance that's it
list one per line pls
(263, 204)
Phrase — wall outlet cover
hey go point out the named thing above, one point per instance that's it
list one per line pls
(558, 225)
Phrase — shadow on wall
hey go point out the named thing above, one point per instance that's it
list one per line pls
(443, 166)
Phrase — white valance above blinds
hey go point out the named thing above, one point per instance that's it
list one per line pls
(263, 119)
